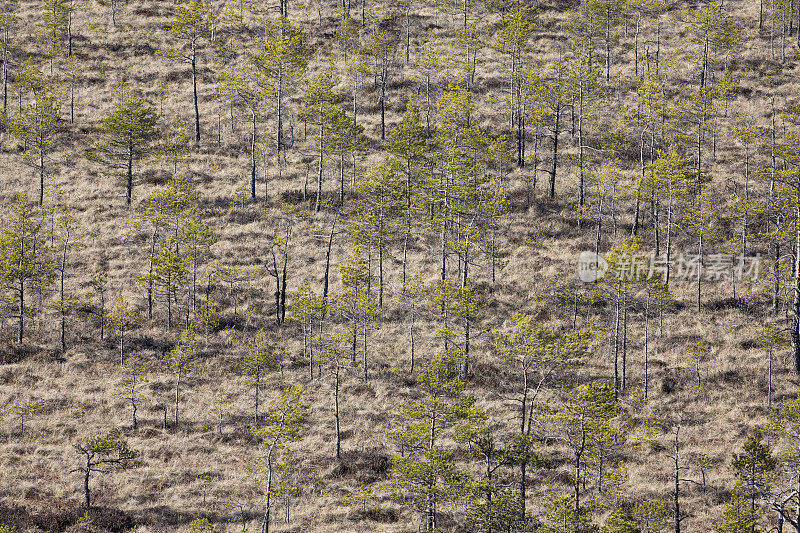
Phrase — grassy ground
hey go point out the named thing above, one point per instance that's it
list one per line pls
(80, 387)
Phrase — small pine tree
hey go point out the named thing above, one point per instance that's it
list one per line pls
(129, 131)
(182, 361)
(739, 516)
(122, 319)
(102, 452)
(38, 125)
(25, 258)
(259, 360)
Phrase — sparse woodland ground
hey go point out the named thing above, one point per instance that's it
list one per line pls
(521, 259)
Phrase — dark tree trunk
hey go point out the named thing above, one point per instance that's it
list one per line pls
(555, 154)
(196, 107)
(129, 191)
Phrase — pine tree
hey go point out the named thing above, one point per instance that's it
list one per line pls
(584, 78)
(196, 237)
(617, 522)
(24, 408)
(552, 96)
(410, 298)
(38, 125)
(712, 31)
(320, 107)
(122, 319)
(259, 360)
(699, 221)
(307, 309)
(625, 277)
(378, 214)
(334, 358)
(603, 17)
(175, 143)
(382, 49)
(516, 29)
(170, 267)
(192, 27)
(429, 482)
(52, 29)
(130, 132)
(281, 56)
(357, 303)
(25, 258)
(561, 516)
(470, 41)
(430, 65)
(344, 138)
(71, 73)
(651, 516)
(134, 374)
(739, 516)
(182, 361)
(101, 453)
(66, 229)
(770, 337)
(285, 422)
(539, 356)
(425, 472)
(8, 20)
(582, 422)
(753, 467)
(785, 186)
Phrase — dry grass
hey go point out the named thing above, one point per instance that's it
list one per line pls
(164, 494)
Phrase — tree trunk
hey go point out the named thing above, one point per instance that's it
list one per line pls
(177, 397)
(624, 342)
(341, 179)
(581, 177)
(5, 71)
(122, 346)
(699, 268)
(327, 269)
(615, 338)
(366, 334)
(63, 328)
(41, 177)
(380, 272)
(255, 406)
(253, 158)
(283, 280)
(69, 33)
(669, 241)
(336, 413)
(383, 104)
(319, 173)
(646, 341)
(577, 486)
(411, 333)
(555, 153)
(279, 128)
(86, 494)
(795, 319)
(129, 191)
(194, 89)
(676, 511)
(265, 524)
(21, 328)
